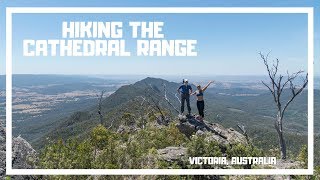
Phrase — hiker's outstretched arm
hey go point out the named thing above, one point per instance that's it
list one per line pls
(207, 85)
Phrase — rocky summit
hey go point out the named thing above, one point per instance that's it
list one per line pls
(225, 136)
(190, 126)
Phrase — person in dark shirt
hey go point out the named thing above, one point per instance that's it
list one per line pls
(185, 90)
(200, 100)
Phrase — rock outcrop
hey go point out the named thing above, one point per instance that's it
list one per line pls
(173, 154)
(23, 155)
(190, 126)
(224, 136)
(213, 132)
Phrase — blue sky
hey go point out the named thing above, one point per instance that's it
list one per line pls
(228, 44)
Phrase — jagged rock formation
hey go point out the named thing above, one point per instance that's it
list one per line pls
(191, 126)
(23, 155)
(224, 136)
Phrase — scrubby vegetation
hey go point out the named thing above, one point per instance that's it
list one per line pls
(106, 148)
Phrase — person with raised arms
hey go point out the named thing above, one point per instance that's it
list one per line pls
(200, 100)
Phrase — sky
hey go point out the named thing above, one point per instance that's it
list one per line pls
(228, 44)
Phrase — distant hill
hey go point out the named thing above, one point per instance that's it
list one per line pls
(113, 107)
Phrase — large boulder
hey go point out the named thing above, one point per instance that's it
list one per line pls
(173, 154)
(23, 155)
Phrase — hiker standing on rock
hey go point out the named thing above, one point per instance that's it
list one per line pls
(185, 90)
(200, 100)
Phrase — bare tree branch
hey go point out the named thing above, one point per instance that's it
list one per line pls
(293, 90)
(278, 84)
(271, 90)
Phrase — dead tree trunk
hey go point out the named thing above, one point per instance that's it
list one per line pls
(100, 107)
(282, 143)
(276, 86)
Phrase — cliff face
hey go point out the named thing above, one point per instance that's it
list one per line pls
(23, 155)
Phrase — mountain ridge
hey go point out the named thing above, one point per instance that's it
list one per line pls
(127, 99)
